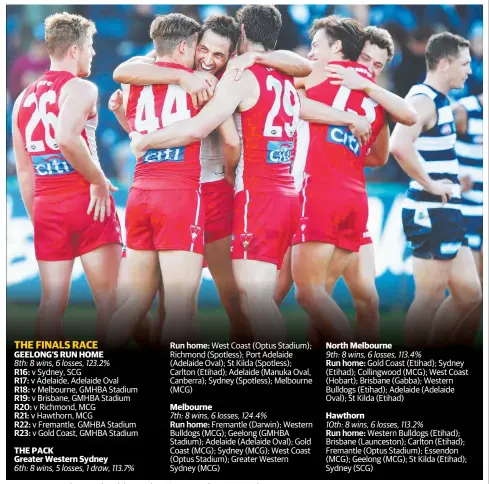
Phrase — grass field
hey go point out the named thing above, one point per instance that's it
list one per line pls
(213, 322)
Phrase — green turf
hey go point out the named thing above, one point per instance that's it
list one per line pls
(213, 323)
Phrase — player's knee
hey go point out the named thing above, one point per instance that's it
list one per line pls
(52, 308)
(366, 295)
(432, 290)
(305, 294)
(468, 294)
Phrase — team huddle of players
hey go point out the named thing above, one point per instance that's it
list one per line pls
(250, 161)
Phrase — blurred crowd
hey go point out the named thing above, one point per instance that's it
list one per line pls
(123, 31)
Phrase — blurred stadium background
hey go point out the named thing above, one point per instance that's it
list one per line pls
(122, 32)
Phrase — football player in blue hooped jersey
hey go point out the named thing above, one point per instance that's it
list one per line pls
(468, 113)
(432, 219)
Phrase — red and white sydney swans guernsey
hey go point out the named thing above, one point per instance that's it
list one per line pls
(37, 121)
(164, 208)
(150, 108)
(266, 204)
(334, 204)
(334, 156)
(62, 230)
(267, 131)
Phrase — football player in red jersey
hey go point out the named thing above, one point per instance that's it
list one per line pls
(217, 42)
(164, 215)
(334, 201)
(359, 274)
(60, 178)
(266, 204)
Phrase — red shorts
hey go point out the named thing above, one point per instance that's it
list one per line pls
(64, 231)
(165, 220)
(333, 216)
(218, 199)
(263, 226)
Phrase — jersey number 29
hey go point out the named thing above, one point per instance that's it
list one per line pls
(271, 129)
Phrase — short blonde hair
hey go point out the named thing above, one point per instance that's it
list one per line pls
(62, 30)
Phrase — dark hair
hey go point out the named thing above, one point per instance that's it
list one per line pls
(262, 24)
(167, 31)
(382, 39)
(441, 46)
(348, 30)
(224, 26)
(62, 30)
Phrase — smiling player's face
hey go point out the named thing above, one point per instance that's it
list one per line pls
(212, 53)
(321, 50)
(373, 58)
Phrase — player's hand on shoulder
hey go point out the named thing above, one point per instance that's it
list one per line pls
(200, 86)
(136, 144)
(361, 129)
(442, 188)
(100, 201)
(346, 76)
(115, 101)
(238, 64)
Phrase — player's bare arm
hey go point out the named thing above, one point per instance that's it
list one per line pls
(400, 110)
(402, 147)
(316, 112)
(284, 61)
(379, 151)
(228, 96)
(461, 120)
(23, 163)
(116, 106)
(200, 85)
(77, 102)
(231, 148)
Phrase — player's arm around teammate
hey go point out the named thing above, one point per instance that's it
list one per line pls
(199, 85)
(400, 110)
(227, 97)
(285, 61)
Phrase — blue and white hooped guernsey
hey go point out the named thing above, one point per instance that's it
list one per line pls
(470, 156)
(436, 151)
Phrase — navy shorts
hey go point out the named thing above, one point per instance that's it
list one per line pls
(434, 233)
(473, 231)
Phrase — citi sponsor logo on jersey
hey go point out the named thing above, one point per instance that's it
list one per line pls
(174, 155)
(279, 152)
(446, 129)
(341, 135)
(47, 165)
